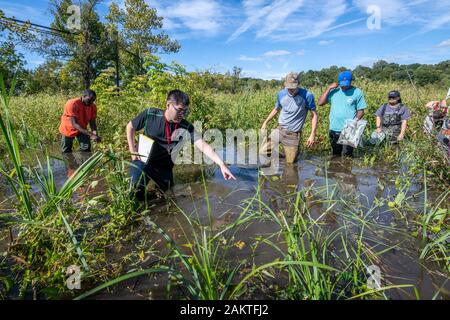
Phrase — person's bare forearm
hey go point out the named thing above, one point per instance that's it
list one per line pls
(324, 97)
(79, 128)
(323, 100)
(378, 122)
(314, 121)
(83, 131)
(130, 138)
(359, 114)
(403, 130)
(209, 151)
(272, 114)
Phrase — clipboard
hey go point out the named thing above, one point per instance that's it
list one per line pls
(145, 147)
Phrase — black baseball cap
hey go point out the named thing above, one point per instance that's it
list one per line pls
(394, 94)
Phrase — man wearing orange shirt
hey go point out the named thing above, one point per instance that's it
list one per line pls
(78, 114)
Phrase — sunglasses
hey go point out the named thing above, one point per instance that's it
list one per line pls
(182, 111)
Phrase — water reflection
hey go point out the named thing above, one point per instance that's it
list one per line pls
(349, 176)
(72, 161)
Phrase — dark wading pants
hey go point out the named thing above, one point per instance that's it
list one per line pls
(83, 140)
(337, 148)
(142, 173)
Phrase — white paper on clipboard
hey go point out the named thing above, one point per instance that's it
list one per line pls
(448, 94)
(145, 147)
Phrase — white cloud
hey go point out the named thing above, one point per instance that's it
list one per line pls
(245, 58)
(290, 20)
(200, 16)
(277, 53)
(427, 15)
(436, 23)
(281, 10)
(255, 10)
(325, 42)
(301, 52)
(263, 74)
(393, 12)
(445, 43)
(268, 55)
(170, 24)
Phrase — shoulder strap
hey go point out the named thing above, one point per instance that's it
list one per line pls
(383, 111)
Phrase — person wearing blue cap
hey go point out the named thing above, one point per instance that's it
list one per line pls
(347, 103)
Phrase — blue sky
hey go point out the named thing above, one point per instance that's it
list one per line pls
(270, 38)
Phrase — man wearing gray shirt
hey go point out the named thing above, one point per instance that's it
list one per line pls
(293, 103)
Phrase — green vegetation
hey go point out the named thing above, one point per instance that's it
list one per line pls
(322, 238)
(52, 232)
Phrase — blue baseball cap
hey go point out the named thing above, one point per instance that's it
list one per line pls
(345, 78)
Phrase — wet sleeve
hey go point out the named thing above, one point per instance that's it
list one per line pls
(361, 102)
(310, 101)
(139, 122)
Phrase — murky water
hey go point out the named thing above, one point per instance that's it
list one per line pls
(349, 178)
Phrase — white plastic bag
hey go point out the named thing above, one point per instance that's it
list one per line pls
(352, 133)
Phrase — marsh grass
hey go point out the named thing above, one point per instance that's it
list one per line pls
(317, 263)
(41, 213)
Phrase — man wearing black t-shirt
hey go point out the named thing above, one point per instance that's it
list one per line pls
(160, 126)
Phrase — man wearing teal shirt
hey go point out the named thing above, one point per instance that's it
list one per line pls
(347, 102)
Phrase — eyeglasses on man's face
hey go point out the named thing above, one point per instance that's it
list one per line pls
(181, 110)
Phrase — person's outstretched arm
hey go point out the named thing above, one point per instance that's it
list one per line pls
(210, 153)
